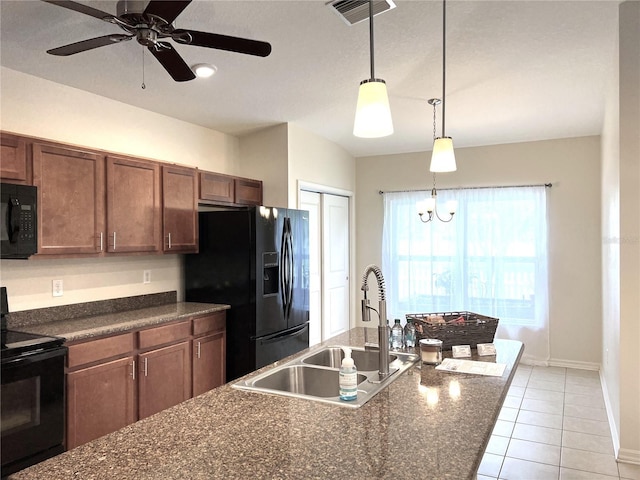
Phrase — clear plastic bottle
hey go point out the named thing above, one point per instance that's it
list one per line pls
(397, 336)
(409, 334)
(348, 377)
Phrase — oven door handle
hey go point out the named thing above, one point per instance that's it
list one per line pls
(34, 356)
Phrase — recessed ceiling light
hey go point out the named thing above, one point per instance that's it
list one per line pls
(204, 70)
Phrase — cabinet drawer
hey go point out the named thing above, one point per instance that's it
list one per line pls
(164, 334)
(210, 323)
(101, 349)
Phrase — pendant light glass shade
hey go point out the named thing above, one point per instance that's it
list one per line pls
(373, 114)
(443, 159)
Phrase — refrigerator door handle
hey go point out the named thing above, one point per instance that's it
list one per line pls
(286, 268)
(276, 337)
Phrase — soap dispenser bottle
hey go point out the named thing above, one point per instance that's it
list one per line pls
(348, 377)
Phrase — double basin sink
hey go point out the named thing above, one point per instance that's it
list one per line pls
(315, 375)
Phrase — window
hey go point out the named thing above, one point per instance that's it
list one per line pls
(490, 259)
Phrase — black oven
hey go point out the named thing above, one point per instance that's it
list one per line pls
(32, 403)
(18, 220)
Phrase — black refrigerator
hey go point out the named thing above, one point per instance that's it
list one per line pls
(257, 261)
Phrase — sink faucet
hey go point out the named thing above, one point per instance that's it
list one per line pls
(383, 339)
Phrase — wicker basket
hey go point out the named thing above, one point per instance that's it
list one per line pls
(454, 328)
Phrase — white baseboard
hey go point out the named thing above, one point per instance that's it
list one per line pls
(559, 362)
(626, 455)
(612, 424)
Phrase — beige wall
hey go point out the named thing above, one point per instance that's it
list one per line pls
(36, 107)
(573, 166)
(264, 155)
(621, 240)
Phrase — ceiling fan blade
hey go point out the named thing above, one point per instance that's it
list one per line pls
(222, 42)
(89, 44)
(172, 62)
(167, 10)
(79, 7)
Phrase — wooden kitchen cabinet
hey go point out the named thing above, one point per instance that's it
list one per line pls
(100, 400)
(71, 193)
(14, 165)
(179, 209)
(101, 387)
(115, 380)
(248, 192)
(165, 378)
(209, 352)
(133, 205)
(216, 188)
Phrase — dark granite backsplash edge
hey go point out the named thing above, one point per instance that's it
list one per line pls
(77, 310)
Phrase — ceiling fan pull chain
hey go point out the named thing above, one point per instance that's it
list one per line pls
(143, 85)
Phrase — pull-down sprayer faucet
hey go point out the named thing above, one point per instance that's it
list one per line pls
(383, 340)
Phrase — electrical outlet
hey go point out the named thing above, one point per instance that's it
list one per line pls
(56, 288)
(146, 276)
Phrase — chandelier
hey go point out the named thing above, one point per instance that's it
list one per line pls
(429, 206)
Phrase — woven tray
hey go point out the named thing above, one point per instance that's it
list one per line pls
(454, 328)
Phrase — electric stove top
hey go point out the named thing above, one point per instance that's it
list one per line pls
(15, 344)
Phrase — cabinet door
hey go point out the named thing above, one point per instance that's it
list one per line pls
(208, 362)
(100, 400)
(248, 192)
(133, 205)
(165, 378)
(179, 210)
(215, 187)
(70, 199)
(13, 159)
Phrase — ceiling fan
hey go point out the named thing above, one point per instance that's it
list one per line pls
(150, 24)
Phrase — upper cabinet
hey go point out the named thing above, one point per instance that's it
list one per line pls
(14, 167)
(216, 188)
(133, 205)
(179, 209)
(95, 203)
(71, 200)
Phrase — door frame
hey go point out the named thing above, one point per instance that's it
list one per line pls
(319, 188)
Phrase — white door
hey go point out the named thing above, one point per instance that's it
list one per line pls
(335, 264)
(311, 201)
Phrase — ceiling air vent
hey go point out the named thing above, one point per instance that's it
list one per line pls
(355, 11)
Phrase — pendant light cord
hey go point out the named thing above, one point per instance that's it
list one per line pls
(371, 37)
(444, 30)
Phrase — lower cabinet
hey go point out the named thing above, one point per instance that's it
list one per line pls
(117, 380)
(100, 400)
(208, 362)
(164, 378)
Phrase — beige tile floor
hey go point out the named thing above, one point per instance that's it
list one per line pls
(553, 426)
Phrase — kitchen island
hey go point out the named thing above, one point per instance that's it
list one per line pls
(426, 424)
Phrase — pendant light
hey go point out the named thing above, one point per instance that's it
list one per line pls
(373, 115)
(429, 206)
(443, 158)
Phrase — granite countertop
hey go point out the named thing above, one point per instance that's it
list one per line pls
(83, 328)
(426, 424)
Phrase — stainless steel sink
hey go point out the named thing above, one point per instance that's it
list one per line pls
(304, 380)
(365, 360)
(314, 375)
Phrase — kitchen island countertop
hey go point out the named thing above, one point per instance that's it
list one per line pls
(427, 424)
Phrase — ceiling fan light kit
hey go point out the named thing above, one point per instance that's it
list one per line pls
(150, 22)
(373, 114)
(204, 70)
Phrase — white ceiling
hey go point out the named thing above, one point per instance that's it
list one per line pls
(516, 70)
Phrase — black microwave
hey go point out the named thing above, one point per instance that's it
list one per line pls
(19, 221)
